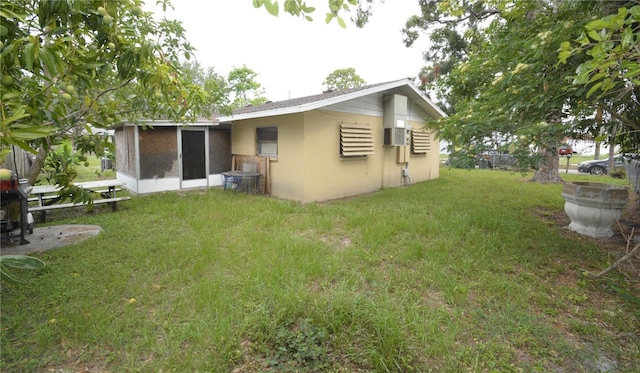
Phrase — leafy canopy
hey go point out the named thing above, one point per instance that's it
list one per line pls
(495, 64)
(70, 65)
(341, 79)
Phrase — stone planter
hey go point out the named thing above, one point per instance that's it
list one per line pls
(594, 207)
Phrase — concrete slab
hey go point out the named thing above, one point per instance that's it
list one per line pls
(47, 238)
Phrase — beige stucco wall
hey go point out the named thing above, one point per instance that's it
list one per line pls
(309, 167)
(286, 170)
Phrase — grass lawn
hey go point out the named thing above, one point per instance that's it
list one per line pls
(474, 271)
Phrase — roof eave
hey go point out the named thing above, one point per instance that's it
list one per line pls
(425, 103)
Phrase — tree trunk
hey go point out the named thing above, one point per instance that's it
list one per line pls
(548, 171)
(612, 148)
(37, 165)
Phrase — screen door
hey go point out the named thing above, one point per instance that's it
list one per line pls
(194, 160)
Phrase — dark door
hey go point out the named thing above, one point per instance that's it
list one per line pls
(193, 155)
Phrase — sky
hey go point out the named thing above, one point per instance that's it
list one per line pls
(291, 56)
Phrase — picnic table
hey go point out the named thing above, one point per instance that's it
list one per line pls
(46, 196)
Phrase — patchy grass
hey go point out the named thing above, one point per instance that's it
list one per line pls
(474, 271)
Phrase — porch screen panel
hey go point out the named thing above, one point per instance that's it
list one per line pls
(420, 142)
(158, 153)
(219, 151)
(356, 140)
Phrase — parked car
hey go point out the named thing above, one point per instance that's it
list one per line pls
(600, 166)
(565, 149)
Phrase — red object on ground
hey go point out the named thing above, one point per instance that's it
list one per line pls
(9, 180)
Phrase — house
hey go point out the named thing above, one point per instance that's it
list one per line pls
(341, 143)
(315, 148)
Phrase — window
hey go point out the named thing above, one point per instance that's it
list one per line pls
(356, 140)
(267, 141)
(420, 142)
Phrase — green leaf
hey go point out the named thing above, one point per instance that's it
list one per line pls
(19, 114)
(28, 55)
(272, 8)
(341, 22)
(257, 3)
(583, 39)
(565, 46)
(631, 73)
(581, 78)
(8, 277)
(594, 35)
(594, 88)
(601, 138)
(597, 25)
(563, 55)
(329, 17)
(22, 261)
(627, 38)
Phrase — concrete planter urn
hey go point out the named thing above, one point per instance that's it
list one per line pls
(594, 207)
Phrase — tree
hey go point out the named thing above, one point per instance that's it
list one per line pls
(243, 88)
(341, 79)
(214, 84)
(451, 35)
(506, 90)
(68, 66)
(299, 8)
(608, 48)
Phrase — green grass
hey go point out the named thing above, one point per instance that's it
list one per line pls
(461, 273)
(94, 171)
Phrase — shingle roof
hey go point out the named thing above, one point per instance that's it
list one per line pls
(302, 100)
(302, 104)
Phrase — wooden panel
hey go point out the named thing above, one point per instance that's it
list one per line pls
(261, 164)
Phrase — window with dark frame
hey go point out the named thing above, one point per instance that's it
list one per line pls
(267, 141)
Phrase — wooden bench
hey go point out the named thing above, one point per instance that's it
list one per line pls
(47, 196)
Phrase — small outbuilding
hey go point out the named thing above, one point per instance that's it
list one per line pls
(341, 143)
(158, 156)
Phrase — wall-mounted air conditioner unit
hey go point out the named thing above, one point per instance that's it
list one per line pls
(395, 137)
(395, 111)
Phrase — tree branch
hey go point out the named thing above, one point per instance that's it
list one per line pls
(619, 117)
(617, 263)
(114, 89)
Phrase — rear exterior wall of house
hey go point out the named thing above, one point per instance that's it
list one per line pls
(309, 166)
